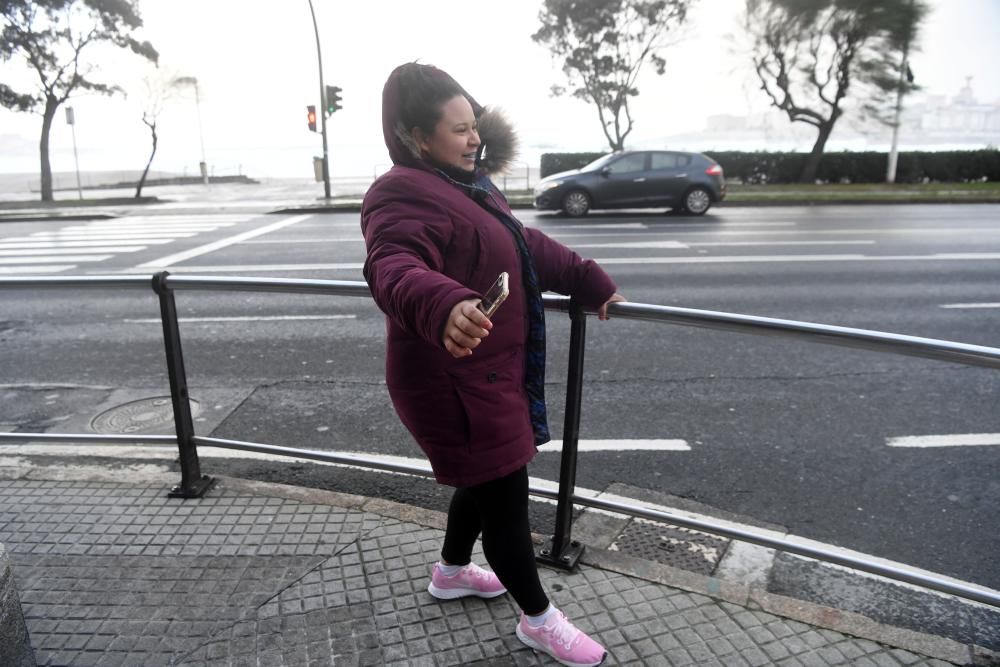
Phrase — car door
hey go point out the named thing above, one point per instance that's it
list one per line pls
(622, 181)
(668, 177)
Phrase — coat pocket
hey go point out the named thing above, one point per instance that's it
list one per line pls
(493, 398)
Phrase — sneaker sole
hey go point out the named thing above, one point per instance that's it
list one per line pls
(455, 593)
(531, 643)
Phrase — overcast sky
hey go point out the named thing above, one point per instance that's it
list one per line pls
(257, 70)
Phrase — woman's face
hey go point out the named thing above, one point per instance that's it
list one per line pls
(456, 136)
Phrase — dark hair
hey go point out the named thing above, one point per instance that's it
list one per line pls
(423, 91)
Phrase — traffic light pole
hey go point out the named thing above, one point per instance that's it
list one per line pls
(322, 115)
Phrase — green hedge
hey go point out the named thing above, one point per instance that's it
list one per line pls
(843, 167)
(553, 163)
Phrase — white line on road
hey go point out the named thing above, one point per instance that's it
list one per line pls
(971, 305)
(673, 231)
(956, 440)
(693, 244)
(624, 225)
(66, 251)
(634, 244)
(352, 239)
(138, 236)
(669, 228)
(35, 269)
(262, 318)
(699, 244)
(737, 259)
(145, 227)
(80, 244)
(634, 445)
(256, 268)
(46, 258)
(170, 260)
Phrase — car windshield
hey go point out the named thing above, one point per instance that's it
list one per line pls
(599, 162)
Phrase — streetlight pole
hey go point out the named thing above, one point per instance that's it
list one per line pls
(203, 165)
(322, 99)
(71, 121)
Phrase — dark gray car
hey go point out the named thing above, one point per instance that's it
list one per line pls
(691, 182)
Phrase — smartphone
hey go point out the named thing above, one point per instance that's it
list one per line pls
(495, 296)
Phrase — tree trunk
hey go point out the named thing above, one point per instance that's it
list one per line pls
(142, 180)
(812, 162)
(43, 146)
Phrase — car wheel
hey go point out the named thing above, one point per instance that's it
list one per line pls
(697, 201)
(576, 202)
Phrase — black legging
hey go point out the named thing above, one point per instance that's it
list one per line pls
(498, 509)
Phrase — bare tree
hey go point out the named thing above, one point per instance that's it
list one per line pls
(811, 54)
(51, 36)
(603, 45)
(157, 89)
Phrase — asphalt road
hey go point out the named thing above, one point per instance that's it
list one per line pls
(789, 432)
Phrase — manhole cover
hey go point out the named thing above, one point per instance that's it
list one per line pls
(146, 414)
(672, 545)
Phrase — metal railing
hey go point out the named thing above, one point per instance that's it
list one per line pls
(560, 550)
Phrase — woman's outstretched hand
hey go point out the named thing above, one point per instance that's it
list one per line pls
(602, 312)
(465, 329)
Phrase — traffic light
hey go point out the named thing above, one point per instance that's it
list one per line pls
(332, 99)
(311, 117)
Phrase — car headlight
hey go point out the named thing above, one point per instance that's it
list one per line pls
(542, 187)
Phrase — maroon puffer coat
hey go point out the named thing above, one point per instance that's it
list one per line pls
(429, 247)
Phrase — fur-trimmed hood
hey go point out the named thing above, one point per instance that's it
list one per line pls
(499, 140)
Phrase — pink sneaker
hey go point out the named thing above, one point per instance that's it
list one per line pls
(470, 580)
(562, 640)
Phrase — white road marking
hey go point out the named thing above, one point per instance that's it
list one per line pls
(955, 440)
(185, 226)
(256, 268)
(624, 225)
(46, 258)
(136, 236)
(634, 244)
(667, 227)
(634, 445)
(699, 244)
(66, 251)
(263, 318)
(79, 244)
(693, 244)
(352, 239)
(170, 260)
(737, 259)
(673, 231)
(35, 269)
(971, 305)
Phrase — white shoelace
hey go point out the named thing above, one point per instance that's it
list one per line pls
(564, 632)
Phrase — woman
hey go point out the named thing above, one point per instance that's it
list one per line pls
(470, 389)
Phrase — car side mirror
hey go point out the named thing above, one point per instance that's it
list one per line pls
(605, 171)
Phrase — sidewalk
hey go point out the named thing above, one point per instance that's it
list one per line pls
(113, 572)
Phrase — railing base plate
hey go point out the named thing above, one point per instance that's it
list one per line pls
(567, 560)
(196, 490)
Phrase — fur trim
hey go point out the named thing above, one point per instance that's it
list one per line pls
(407, 140)
(496, 133)
(500, 140)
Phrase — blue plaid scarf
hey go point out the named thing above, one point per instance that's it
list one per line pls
(481, 189)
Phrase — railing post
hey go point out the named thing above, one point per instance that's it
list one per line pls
(193, 483)
(561, 551)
